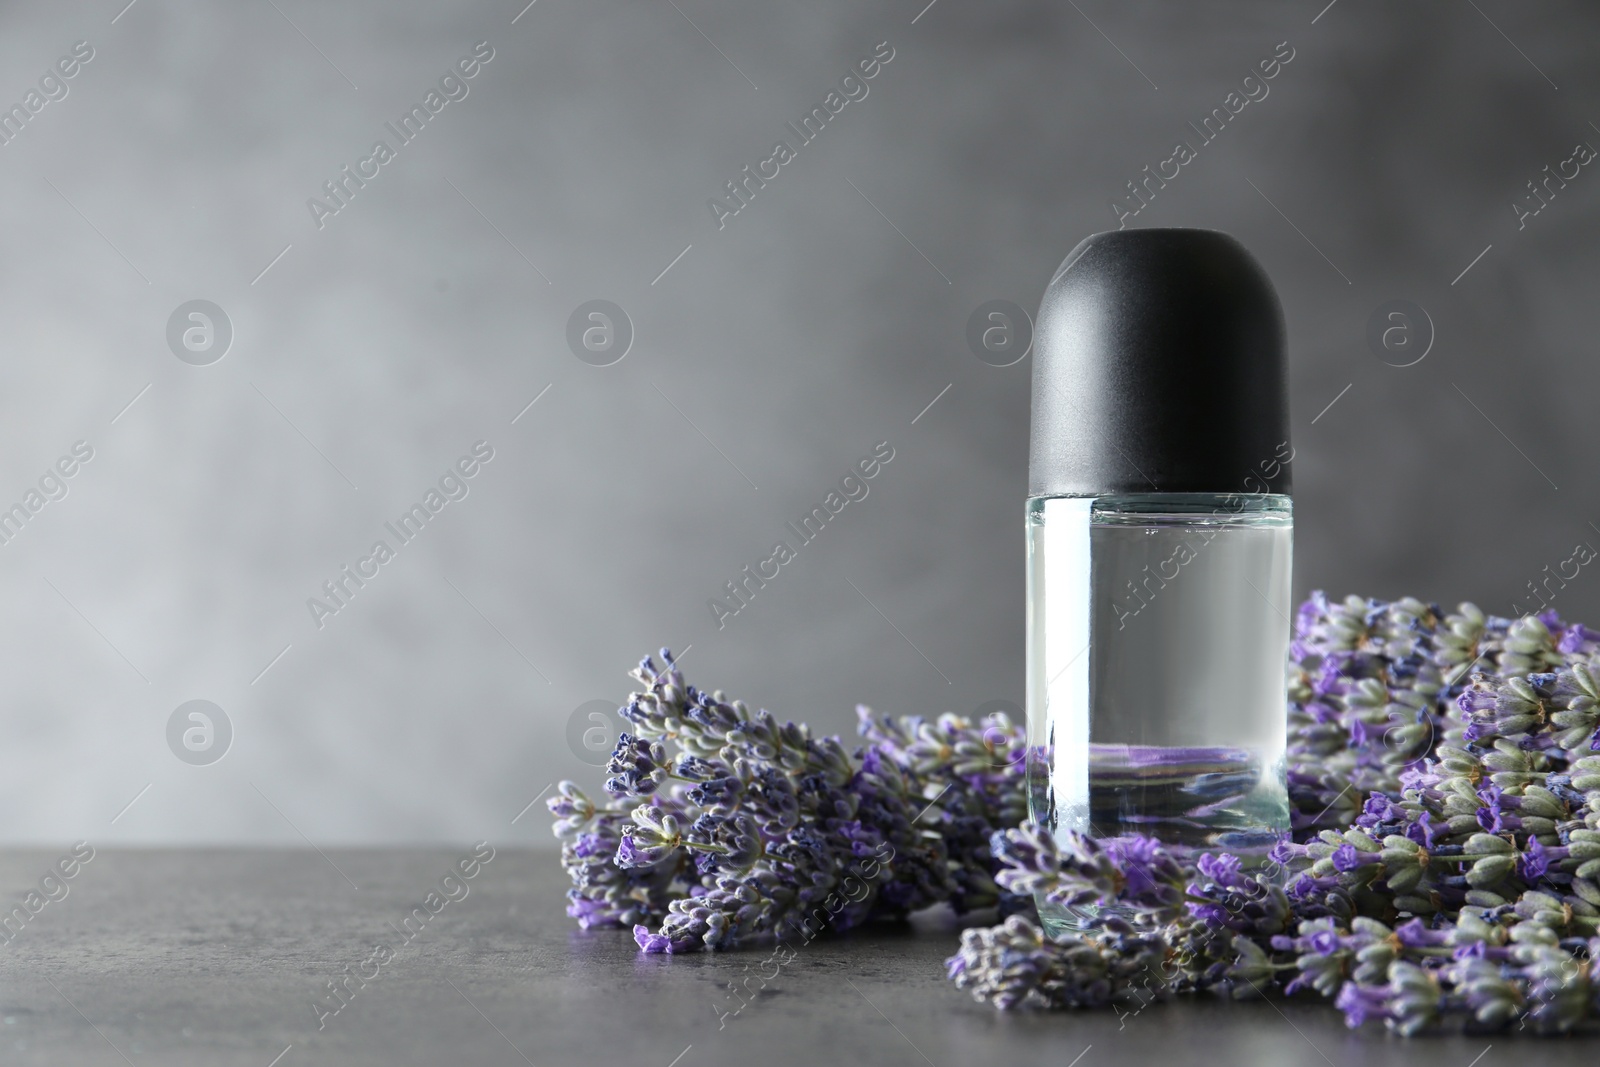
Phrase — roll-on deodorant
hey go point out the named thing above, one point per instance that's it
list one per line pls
(1159, 534)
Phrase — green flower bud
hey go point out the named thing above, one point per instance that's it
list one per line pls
(1489, 871)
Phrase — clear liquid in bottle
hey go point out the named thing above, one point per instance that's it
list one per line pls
(1158, 629)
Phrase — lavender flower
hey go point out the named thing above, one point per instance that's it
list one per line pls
(1444, 778)
(725, 825)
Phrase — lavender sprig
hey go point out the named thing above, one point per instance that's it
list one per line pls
(1444, 779)
(723, 825)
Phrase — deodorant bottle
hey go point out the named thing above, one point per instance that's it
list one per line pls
(1159, 529)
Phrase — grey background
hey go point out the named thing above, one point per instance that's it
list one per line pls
(817, 323)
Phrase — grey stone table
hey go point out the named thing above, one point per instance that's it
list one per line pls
(219, 957)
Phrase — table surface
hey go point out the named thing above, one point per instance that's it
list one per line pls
(218, 957)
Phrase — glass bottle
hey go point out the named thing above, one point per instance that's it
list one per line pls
(1159, 543)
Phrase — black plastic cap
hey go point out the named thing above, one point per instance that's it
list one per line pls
(1159, 367)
